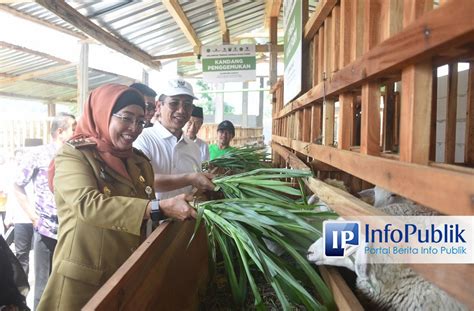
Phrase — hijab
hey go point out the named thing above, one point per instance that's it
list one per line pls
(95, 121)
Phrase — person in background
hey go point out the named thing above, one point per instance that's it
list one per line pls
(16, 216)
(150, 106)
(33, 168)
(104, 191)
(176, 159)
(225, 133)
(192, 128)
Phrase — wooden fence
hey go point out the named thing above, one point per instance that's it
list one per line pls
(243, 136)
(14, 132)
(356, 55)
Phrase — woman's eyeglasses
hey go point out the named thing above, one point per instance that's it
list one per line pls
(139, 123)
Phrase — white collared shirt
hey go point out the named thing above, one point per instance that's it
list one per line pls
(169, 155)
(204, 148)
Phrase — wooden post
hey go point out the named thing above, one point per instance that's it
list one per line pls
(345, 33)
(219, 112)
(416, 113)
(51, 108)
(260, 103)
(434, 109)
(469, 142)
(328, 122)
(245, 105)
(345, 121)
(415, 110)
(370, 120)
(82, 77)
(145, 76)
(452, 101)
(315, 122)
(273, 50)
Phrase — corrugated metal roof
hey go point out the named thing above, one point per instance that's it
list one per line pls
(60, 85)
(37, 11)
(150, 27)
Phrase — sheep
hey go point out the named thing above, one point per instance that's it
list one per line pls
(393, 204)
(389, 286)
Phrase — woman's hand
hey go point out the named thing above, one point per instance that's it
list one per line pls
(178, 207)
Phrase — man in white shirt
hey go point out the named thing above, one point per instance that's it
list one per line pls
(176, 159)
(192, 128)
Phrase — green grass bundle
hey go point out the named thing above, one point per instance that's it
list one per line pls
(241, 229)
(239, 159)
(261, 213)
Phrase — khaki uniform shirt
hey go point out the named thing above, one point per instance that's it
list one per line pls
(100, 217)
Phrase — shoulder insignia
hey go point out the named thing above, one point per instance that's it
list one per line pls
(80, 143)
(140, 153)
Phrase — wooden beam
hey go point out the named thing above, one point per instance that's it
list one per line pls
(18, 48)
(451, 111)
(35, 74)
(469, 142)
(73, 17)
(41, 81)
(272, 9)
(289, 157)
(422, 184)
(222, 22)
(410, 46)
(174, 8)
(43, 99)
(317, 19)
(343, 296)
(33, 19)
(172, 56)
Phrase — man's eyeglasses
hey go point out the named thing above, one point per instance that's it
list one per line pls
(150, 106)
(139, 123)
(175, 104)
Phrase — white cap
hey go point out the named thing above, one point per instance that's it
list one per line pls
(178, 87)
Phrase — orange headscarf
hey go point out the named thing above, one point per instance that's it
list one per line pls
(94, 125)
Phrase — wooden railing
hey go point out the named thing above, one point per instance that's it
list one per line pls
(360, 54)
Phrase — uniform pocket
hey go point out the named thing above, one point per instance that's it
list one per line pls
(79, 272)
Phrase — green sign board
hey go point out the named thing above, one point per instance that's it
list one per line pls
(293, 23)
(228, 63)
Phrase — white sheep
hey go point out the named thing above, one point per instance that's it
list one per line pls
(389, 286)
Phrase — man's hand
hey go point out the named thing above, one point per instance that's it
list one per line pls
(202, 181)
(178, 207)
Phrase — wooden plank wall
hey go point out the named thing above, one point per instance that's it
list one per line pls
(365, 53)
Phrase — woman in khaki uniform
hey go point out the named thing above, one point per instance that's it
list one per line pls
(103, 190)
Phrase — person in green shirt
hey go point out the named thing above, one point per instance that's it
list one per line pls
(225, 133)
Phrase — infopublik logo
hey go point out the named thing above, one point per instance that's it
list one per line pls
(341, 238)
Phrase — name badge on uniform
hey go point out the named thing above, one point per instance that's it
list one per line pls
(148, 191)
(107, 191)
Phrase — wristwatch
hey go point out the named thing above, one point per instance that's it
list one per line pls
(155, 213)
